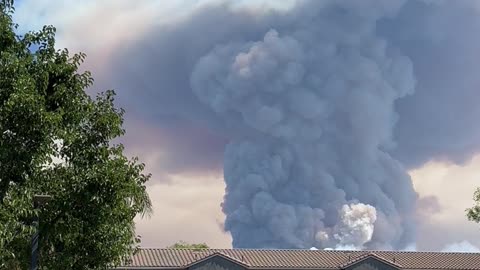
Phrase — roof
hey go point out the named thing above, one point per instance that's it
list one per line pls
(363, 257)
(303, 259)
(219, 254)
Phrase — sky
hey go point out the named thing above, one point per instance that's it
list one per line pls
(163, 58)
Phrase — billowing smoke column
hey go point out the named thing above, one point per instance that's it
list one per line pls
(315, 100)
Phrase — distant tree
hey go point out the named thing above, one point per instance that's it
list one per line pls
(473, 213)
(186, 245)
(57, 140)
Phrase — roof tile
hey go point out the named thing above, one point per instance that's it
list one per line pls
(306, 259)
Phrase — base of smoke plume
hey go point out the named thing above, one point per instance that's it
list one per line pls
(463, 246)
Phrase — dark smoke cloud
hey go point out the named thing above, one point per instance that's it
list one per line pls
(427, 206)
(159, 65)
(170, 149)
(440, 120)
(321, 107)
(152, 78)
(320, 94)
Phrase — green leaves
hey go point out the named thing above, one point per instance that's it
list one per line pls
(185, 245)
(473, 213)
(57, 140)
(6, 5)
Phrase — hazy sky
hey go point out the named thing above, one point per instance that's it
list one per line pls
(168, 131)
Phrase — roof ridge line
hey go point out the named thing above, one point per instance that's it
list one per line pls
(317, 250)
(369, 255)
(221, 254)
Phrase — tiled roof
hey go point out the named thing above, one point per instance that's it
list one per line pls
(305, 259)
(365, 256)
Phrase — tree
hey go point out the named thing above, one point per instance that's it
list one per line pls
(473, 213)
(55, 139)
(186, 245)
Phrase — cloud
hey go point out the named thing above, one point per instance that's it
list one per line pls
(463, 246)
(428, 205)
(151, 59)
(185, 210)
(439, 121)
(443, 220)
(175, 148)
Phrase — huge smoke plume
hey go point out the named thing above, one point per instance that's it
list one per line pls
(318, 97)
(323, 106)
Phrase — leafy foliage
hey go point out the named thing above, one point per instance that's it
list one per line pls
(55, 139)
(473, 213)
(186, 245)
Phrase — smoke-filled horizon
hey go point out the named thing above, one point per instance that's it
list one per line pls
(311, 103)
(316, 112)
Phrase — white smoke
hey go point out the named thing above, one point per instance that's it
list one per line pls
(316, 100)
(356, 225)
(410, 247)
(463, 246)
(343, 247)
(354, 229)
